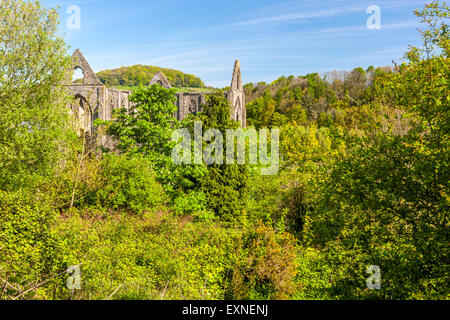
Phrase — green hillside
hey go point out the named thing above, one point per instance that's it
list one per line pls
(139, 74)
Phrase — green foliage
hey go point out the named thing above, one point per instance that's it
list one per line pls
(34, 121)
(192, 203)
(147, 130)
(224, 184)
(289, 100)
(142, 75)
(155, 256)
(30, 251)
(309, 148)
(363, 181)
(128, 184)
(260, 112)
(373, 180)
(315, 276)
(385, 201)
(265, 267)
(278, 200)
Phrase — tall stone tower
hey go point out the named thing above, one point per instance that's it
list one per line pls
(236, 96)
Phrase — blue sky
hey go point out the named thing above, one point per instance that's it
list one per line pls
(270, 38)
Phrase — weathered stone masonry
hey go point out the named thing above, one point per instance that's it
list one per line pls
(94, 100)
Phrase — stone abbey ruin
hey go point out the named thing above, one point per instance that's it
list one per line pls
(94, 100)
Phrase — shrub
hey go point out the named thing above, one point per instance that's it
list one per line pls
(156, 256)
(128, 184)
(191, 203)
(266, 266)
(29, 251)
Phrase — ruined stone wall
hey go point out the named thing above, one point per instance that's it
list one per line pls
(116, 99)
(93, 100)
(96, 102)
(189, 102)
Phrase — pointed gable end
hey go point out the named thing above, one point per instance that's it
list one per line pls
(161, 79)
(79, 61)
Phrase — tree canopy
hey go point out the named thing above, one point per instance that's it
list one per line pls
(142, 75)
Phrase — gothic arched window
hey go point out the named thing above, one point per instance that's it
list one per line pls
(78, 76)
(192, 108)
(82, 114)
(237, 107)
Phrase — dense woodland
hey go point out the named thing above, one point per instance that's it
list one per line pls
(364, 180)
(143, 75)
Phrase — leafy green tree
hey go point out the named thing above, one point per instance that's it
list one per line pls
(225, 185)
(146, 129)
(34, 120)
(35, 133)
(260, 112)
(128, 184)
(386, 201)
